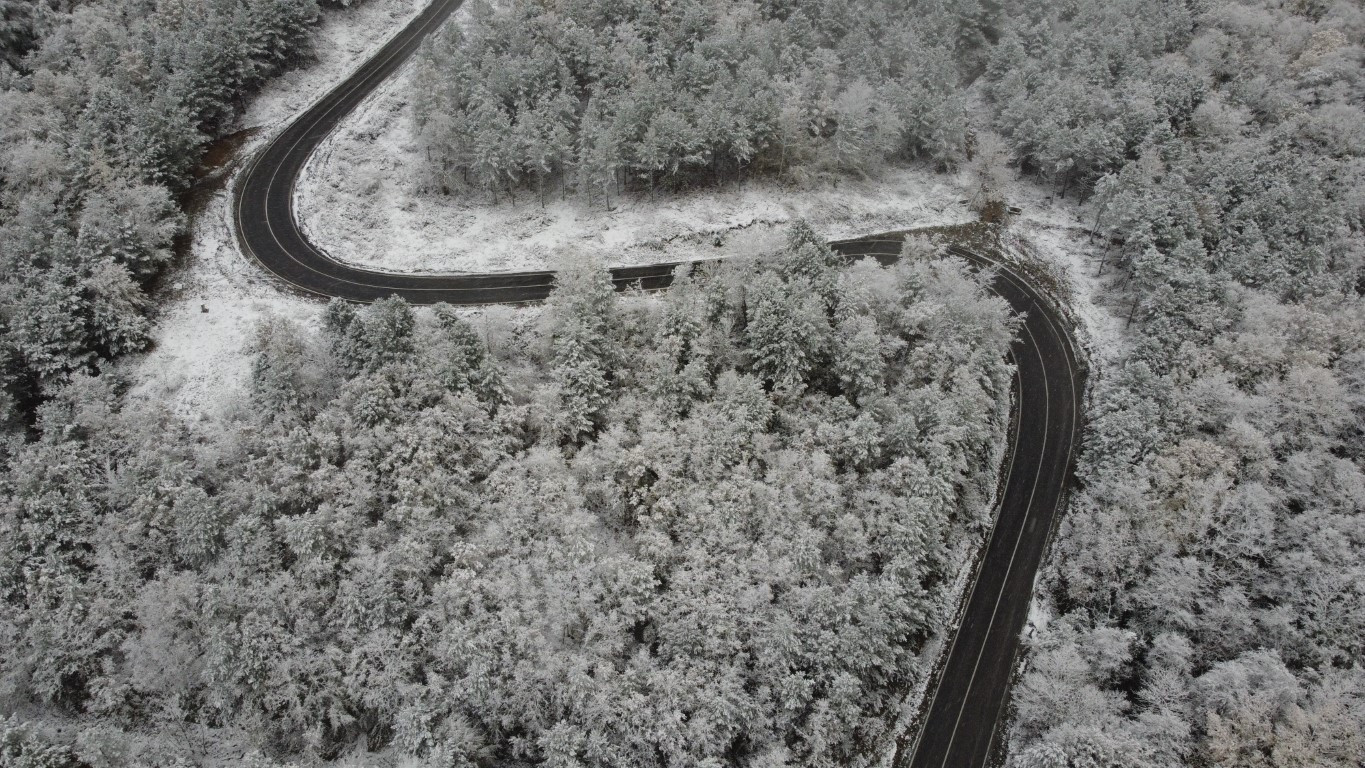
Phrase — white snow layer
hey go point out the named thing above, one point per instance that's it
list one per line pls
(358, 200)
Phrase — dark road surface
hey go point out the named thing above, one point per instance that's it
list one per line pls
(967, 706)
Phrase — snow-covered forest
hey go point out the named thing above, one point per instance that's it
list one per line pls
(722, 525)
(1208, 582)
(106, 107)
(600, 96)
(716, 526)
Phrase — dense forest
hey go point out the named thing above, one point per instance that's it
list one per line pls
(597, 96)
(712, 528)
(105, 109)
(1209, 580)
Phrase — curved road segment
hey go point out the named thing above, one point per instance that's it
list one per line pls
(967, 705)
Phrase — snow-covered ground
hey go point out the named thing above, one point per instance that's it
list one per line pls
(210, 308)
(1054, 232)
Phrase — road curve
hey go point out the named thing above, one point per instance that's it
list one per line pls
(269, 233)
(967, 706)
(960, 726)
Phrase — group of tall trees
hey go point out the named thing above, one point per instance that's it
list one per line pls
(710, 528)
(105, 108)
(1209, 579)
(597, 96)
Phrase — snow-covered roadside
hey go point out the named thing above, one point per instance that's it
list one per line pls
(358, 200)
(345, 38)
(212, 304)
(1056, 232)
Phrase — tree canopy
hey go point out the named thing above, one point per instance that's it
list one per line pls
(599, 96)
(636, 531)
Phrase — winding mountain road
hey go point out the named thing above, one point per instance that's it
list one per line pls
(961, 724)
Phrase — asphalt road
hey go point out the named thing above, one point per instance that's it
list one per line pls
(967, 705)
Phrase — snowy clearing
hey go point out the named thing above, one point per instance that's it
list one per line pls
(358, 200)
